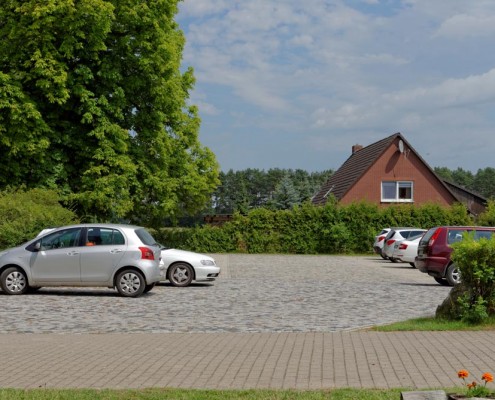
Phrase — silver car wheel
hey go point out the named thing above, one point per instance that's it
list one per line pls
(453, 275)
(13, 281)
(181, 275)
(130, 283)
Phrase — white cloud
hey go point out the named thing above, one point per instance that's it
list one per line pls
(409, 104)
(326, 70)
(469, 91)
(466, 26)
(205, 108)
(302, 40)
(202, 8)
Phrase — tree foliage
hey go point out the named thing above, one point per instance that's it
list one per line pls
(93, 102)
(241, 191)
(482, 182)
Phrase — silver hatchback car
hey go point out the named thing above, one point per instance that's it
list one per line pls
(124, 257)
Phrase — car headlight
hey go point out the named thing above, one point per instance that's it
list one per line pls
(208, 262)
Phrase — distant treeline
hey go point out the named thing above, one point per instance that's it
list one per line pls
(482, 182)
(275, 189)
(281, 189)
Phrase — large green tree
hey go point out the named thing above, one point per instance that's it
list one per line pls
(93, 102)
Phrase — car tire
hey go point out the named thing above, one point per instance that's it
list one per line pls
(130, 283)
(14, 281)
(441, 281)
(180, 274)
(147, 288)
(383, 256)
(394, 260)
(412, 264)
(453, 275)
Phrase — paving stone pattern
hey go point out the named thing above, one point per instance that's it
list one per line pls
(279, 322)
(255, 293)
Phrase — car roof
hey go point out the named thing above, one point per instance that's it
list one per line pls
(465, 227)
(89, 225)
(102, 225)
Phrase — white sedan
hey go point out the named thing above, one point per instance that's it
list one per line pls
(182, 267)
(407, 250)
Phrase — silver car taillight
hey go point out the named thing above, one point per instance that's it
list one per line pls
(147, 253)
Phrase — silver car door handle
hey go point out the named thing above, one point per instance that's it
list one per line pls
(115, 251)
(72, 253)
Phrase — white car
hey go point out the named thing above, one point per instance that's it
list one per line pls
(396, 235)
(182, 267)
(407, 250)
(379, 240)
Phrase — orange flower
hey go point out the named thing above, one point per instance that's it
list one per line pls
(471, 385)
(487, 377)
(463, 374)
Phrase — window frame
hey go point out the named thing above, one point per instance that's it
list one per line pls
(405, 185)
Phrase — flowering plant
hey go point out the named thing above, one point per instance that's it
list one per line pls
(476, 389)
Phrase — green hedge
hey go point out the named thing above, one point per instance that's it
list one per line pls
(24, 213)
(306, 229)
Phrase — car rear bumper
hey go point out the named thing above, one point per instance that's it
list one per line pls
(434, 266)
(377, 249)
(151, 272)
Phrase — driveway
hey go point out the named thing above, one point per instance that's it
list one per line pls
(255, 293)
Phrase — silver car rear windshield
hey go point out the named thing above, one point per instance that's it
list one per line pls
(146, 237)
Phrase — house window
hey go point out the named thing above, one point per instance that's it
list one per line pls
(397, 191)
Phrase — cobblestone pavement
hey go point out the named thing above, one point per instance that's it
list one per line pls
(255, 293)
(279, 322)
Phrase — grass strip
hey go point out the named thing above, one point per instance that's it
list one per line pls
(184, 394)
(433, 324)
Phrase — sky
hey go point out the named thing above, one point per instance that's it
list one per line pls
(295, 84)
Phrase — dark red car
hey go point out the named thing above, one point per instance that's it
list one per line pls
(434, 251)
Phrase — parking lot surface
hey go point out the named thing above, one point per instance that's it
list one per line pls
(255, 293)
(278, 322)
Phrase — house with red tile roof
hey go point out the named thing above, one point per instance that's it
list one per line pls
(390, 172)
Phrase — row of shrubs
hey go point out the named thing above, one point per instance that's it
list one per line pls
(306, 229)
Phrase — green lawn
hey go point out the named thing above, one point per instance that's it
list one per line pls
(166, 394)
(432, 324)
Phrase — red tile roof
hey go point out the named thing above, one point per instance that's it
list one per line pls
(352, 169)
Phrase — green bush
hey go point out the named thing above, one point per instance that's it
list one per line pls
(475, 260)
(487, 218)
(306, 229)
(24, 213)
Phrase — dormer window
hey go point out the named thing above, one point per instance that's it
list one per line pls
(397, 191)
